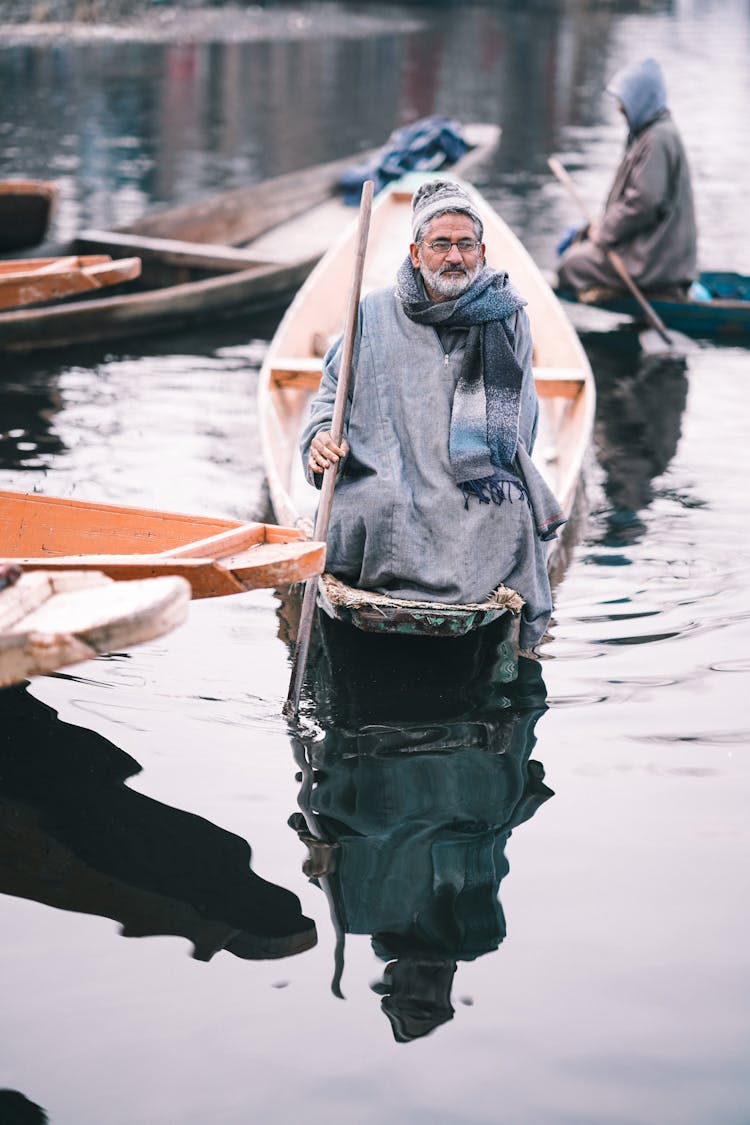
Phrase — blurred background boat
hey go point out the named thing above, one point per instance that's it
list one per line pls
(26, 208)
(233, 253)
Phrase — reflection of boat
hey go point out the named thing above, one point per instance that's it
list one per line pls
(49, 620)
(244, 249)
(408, 798)
(216, 556)
(32, 281)
(639, 407)
(293, 366)
(29, 434)
(723, 312)
(76, 837)
(26, 208)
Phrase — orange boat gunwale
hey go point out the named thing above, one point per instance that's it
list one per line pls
(217, 556)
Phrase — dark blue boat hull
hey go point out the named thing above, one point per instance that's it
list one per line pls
(726, 315)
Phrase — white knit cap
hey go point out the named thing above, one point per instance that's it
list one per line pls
(438, 196)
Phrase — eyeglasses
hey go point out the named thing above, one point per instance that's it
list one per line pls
(444, 245)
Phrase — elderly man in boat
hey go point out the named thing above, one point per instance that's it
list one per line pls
(438, 498)
(649, 217)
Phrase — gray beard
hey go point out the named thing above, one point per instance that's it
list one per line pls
(447, 288)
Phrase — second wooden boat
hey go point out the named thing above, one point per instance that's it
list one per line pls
(216, 556)
(293, 366)
(238, 251)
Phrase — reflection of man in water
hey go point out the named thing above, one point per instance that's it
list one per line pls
(418, 816)
(16, 1109)
(77, 838)
(639, 411)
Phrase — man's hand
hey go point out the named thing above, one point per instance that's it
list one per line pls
(594, 231)
(324, 452)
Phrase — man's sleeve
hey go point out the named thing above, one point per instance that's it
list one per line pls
(642, 203)
(321, 408)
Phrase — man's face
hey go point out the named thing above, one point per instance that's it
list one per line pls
(447, 275)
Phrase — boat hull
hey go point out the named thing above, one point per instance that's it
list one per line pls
(725, 317)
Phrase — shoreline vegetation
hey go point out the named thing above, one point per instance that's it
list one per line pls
(182, 21)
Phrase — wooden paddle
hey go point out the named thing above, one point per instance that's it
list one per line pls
(673, 341)
(291, 707)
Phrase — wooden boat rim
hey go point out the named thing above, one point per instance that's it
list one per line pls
(148, 299)
(9, 496)
(352, 597)
(46, 188)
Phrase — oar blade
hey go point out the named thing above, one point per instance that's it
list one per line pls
(677, 346)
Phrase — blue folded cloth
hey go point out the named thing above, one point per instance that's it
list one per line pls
(429, 143)
(569, 236)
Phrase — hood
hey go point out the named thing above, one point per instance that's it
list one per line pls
(641, 91)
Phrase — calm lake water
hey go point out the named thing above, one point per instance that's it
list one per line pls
(531, 896)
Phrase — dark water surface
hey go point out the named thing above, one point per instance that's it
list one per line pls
(591, 967)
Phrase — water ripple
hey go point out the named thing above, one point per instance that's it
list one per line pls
(742, 665)
(711, 738)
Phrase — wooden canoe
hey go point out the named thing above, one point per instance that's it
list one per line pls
(293, 365)
(725, 316)
(33, 281)
(239, 251)
(26, 207)
(216, 556)
(52, 619)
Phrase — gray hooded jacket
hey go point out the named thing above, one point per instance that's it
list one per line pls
(649, 217)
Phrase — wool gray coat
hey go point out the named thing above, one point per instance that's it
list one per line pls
(649, 218)
(398, 523)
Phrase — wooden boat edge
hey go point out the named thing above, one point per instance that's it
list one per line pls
(32, 648)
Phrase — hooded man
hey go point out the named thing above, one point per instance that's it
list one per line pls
(438, 498)
(649, 217)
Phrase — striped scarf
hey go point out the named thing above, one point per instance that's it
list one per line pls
(487, 400)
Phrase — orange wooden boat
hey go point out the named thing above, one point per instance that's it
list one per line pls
(26, 207)
(217, 556)
(34, 281)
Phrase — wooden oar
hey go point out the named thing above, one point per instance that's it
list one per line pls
(291, 707)
(326, 884)
(671, 340)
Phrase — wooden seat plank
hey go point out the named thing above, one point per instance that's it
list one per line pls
(304, 373)
(558, 382)
(203, 255)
